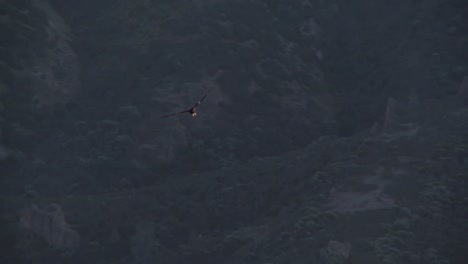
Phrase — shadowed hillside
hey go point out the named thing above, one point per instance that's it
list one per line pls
(333, 131)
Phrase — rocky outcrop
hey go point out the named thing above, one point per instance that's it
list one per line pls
(39, 71)
(395, 114)
(336, 252)
(50, 225)
(57, 72)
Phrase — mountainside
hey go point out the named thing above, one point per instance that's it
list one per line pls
(396, 197)
(140, 60)
(260, 62)
(408, 50)
(333, 131)
(39, 68)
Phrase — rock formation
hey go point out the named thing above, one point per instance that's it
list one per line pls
(57, 73)
(394, 114)
(336, 252)
(50, 225)
(341, 249)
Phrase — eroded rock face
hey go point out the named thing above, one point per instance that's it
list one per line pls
(40, 71)
(339, 250)
(57, 72)
(50, 224)
(395, 113)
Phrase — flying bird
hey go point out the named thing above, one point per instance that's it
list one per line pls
(192, 110)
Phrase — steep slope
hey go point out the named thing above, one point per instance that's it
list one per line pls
(391, 198)
(40, 74)
(259, 60)
(260, 177)
(408, 50)
(139, 60)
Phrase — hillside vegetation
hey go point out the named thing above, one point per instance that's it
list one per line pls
(333, 132)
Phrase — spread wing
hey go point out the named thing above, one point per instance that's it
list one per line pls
(186, 111)
(201, 100)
